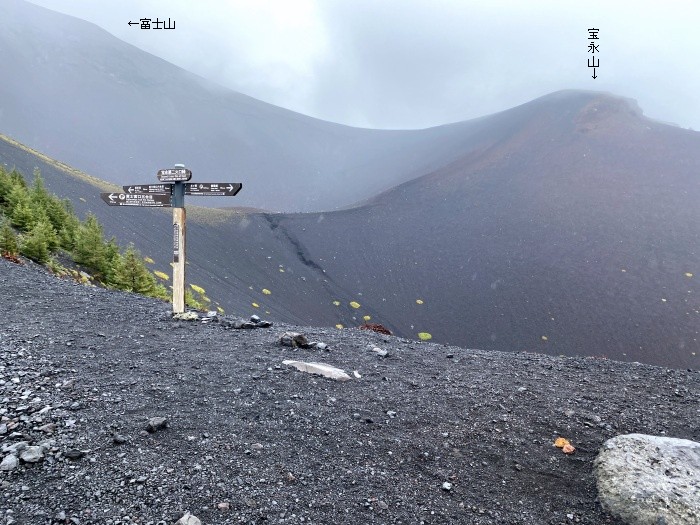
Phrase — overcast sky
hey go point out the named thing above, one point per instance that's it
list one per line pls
(419, 63)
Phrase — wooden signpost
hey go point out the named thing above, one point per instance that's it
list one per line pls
(171, 194)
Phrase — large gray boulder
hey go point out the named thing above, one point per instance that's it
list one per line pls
(650, 480)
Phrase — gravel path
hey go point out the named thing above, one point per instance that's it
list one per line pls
(429, 434)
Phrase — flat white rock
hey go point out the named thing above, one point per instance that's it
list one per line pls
(650, 480)
(319, 369)
(189, 519)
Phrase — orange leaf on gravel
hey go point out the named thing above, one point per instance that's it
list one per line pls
(561, 442)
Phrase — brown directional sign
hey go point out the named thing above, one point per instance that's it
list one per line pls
(213, 189)
(151, 200)
(174, 175)
(148, 188)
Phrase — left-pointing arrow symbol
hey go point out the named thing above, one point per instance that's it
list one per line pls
(131, 189)
(112, 197)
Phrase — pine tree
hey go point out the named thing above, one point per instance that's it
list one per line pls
(8, 240)
(5, 185)
(22, 216)
(9, 181)
(90, 248)
(19, 208)
(68, 231)
(130, 273)
(38, 193)
(36, 244)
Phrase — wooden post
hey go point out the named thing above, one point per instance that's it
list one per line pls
(179, 235)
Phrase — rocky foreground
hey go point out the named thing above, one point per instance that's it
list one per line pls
(115, 413)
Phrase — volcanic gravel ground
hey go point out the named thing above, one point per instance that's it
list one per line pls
(250, 440)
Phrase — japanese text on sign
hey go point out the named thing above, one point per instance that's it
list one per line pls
(593, 61)
(176, 243)
(149, 23)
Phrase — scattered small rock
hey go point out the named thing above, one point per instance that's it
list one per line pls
(32, 454)
(189, 519)
(156, 423)
(294, 339)
(447, 486)
(9, 462)
(380, 352)
(74, 454)
(186, 316)
(118, 439)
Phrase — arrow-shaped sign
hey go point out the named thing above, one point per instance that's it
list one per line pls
(149, 188)
(149, 200)
(213, 189)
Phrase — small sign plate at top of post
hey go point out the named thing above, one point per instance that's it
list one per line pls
(174, 175)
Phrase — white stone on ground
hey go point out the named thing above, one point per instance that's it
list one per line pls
(650, 480)
(319, 369)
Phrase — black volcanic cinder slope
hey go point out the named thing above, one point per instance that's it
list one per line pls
(252, 440)
(575, 233)
(582, 228)
(78, 94)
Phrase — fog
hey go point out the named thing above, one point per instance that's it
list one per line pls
(419, 63)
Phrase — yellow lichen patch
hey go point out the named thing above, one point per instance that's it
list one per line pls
(424, 336)
(220, 310)
(419, 301)
(255, 305)
(354, 304)
(688, 274)
(339, 326)
(366, 318)
(266, 291)
(149, 260)
(197, 289)
(162, 275)
(544, 338)
(172, 264)
(561, 442)
(337, 303)
(82, 200)
(267, 312)
(281, 270)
